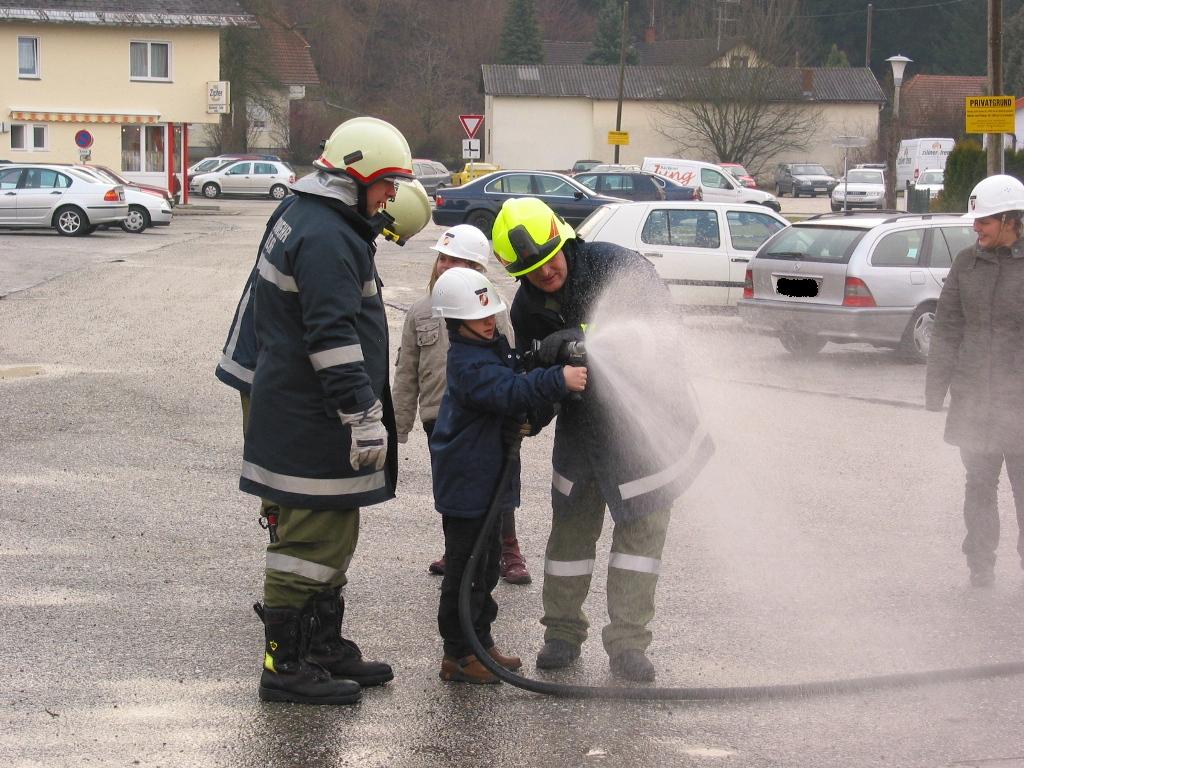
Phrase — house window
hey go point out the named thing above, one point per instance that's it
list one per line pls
(143, 148)
(27, 137)
(149, 61)
(28, 62)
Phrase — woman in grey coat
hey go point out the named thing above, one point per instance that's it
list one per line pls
(977, 355)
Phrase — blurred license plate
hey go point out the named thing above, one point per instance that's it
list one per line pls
(797, 287)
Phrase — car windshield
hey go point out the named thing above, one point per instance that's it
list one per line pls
(862, 176)
(831, 245)
(932, 177)
(594, 221)
(737, 171)
(810, 170)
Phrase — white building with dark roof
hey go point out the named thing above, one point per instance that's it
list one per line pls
(545, 116)
(119, 79)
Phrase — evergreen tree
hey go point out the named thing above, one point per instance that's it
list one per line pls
(522, 42)
(837, 57)
(607, 42)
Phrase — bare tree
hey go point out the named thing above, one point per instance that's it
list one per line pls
(745, 115)
(750, 114)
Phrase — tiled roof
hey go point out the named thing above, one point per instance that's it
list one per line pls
(661, 53)
(158, 13)
(837, 84)
(928, 90)
(289, 54)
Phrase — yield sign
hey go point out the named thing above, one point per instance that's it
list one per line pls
(471, 123)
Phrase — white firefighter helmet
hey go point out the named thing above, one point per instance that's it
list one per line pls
(995, 194)
(366, 150)
(410, 209)
(462, 293)
(464, 241)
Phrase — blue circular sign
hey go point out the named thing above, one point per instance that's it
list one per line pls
(83, 139)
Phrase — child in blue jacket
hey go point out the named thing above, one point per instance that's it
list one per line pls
(486, 389)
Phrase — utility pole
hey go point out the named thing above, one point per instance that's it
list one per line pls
(995, 78)
(621, 79)
(870, 17)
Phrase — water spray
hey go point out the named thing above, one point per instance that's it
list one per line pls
(575, 353)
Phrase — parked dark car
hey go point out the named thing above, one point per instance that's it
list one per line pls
(432, 175)
(479, 201)
(632, 186)
(798, 179)
(580, 166)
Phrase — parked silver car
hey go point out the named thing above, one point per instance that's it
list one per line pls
(860, 188)
(72, 201)
(700, 249)
(247, 177)
(147, 208)
(854, 277)
(433, 175)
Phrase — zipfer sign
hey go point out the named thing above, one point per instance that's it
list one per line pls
(990, 114)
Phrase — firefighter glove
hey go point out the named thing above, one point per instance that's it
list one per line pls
(367, 444)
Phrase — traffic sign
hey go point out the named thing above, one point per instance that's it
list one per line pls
(618, 137)
(471, 149)
(990, 114)
(471, 123)
(83, 139)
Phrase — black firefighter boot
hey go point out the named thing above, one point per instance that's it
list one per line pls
(286, 674)
(338, 655)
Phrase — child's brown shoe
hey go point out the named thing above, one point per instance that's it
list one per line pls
(466, 670)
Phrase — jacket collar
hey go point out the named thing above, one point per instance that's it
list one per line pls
(339, 194)
(1014, 251)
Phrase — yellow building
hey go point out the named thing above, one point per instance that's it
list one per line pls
(112, 82)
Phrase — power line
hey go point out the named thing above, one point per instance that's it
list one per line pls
(941, 4)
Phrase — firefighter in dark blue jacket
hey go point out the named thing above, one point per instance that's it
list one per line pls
(636, 458)
(487, 392)
(318, 439)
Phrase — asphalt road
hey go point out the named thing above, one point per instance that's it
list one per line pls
(822, 543)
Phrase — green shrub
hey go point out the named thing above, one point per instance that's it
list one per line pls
(967, 166)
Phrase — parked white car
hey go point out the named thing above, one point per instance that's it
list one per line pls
(73, 202)
(700, 249)
(146, 208)
(932, 180)
(861, 188)
(247, 177)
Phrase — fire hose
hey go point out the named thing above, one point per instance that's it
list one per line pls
(651, 693)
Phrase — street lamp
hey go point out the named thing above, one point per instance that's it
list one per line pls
(898, 62)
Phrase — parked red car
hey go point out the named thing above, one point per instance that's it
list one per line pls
(738, 172)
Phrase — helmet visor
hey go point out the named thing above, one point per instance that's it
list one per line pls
(531, 255)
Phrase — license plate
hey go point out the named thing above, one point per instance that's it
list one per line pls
(797, 287)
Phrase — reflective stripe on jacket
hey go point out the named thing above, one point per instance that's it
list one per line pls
(323, 347)
(239, 359)
(639, 470)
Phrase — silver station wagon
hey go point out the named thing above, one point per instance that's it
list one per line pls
(869, 277)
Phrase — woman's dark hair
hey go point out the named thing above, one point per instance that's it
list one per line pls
(453, 324)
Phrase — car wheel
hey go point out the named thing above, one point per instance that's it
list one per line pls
(211, 190)
(71, 221)
(800, 345)
(918, 336)
(835, 206)
(278, 191)
(137, 220)
(482, 220)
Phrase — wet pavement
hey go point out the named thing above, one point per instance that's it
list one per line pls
(822, 543)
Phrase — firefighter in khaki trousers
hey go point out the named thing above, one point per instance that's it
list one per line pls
(318, 437)
(604, 454)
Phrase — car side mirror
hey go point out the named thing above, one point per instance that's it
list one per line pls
(578, 195)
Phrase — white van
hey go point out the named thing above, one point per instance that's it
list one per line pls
(715, 184)
(918, 155)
